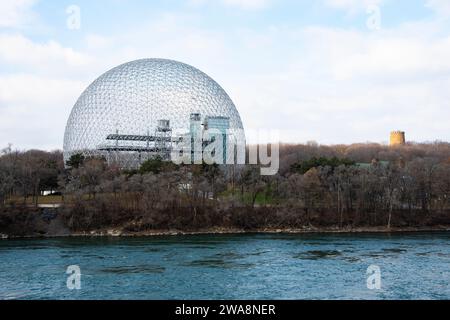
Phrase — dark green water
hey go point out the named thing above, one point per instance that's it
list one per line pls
(413, 266)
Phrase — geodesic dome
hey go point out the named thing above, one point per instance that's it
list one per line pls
(133, 98)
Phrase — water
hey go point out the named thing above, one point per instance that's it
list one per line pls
(254, 266)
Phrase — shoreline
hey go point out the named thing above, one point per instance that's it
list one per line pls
(116, 233)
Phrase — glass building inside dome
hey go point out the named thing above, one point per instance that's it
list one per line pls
(139, 109)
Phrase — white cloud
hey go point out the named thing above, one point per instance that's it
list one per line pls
(49, 57)
(33, 109)
(353, 6)
(353, 54)
(340, 86)
(247, 4)
(441, 7)
(39, 83)
(15, 13)
(240, 4)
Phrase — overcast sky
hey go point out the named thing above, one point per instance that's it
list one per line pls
(333, 71)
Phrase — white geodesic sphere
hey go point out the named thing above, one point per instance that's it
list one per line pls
(132, 97)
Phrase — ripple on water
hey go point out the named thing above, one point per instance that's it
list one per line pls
(228, 259)
(153, 249)
(422, 254)
(229, 255)
(385, 253)
(318, 254)
(217, 263)
(134, 269)
(394, 250)
(14, 295)
(258, 253)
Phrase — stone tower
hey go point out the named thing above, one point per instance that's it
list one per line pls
(397, 138)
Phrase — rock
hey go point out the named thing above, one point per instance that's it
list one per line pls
(114, 233)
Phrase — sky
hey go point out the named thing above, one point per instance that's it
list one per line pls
(330, 71)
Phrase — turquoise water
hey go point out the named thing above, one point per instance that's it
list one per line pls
(254, 266)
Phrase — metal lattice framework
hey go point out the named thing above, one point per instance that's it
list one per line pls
(126, 104)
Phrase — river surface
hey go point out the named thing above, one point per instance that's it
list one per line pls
(252, 266)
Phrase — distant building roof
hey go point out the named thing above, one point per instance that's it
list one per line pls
(365, 165)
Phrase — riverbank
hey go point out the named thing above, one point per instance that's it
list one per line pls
(219, 231)
(63, 222)
(230, 231)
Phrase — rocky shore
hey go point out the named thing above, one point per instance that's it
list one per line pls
(223, 231)
(55, 222)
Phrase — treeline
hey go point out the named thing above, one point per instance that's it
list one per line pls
(363, 185)
(27, 174)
